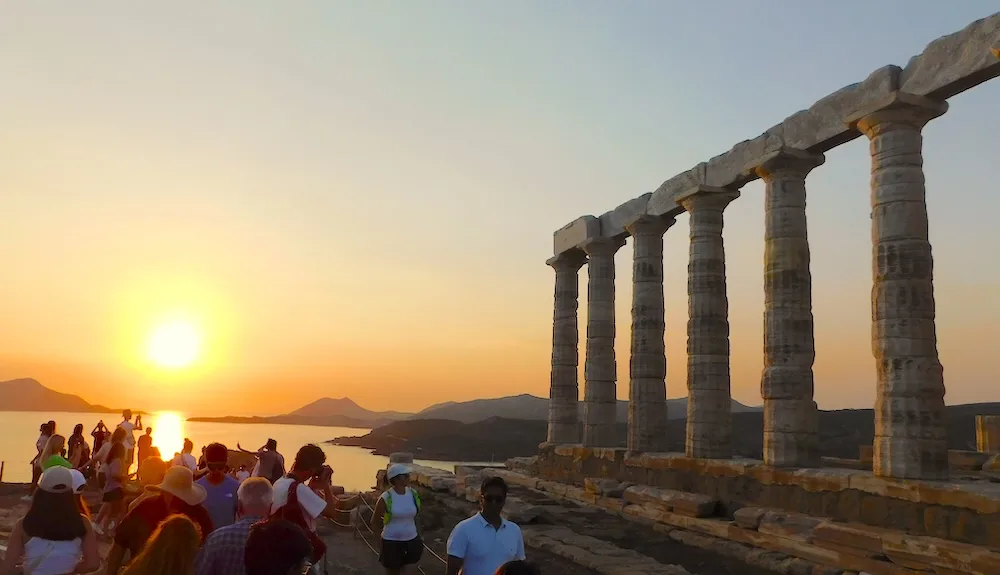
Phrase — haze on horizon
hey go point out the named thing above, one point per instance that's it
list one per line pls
(357, 199)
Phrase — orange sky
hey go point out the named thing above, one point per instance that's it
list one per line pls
(347, 205)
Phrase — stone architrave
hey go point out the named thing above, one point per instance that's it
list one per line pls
(564, 391)
(988, 433)
(910, 426)
(647, 407)
(709, 417)
(790, 414)
(600, 401)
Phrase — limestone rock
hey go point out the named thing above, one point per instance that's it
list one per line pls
(793, 526)
(849, 535)
(401, 457)
(991, 468)
(954, 63)
(680, 502)
(663, 202)
(519, 511)
(575, 234)
(526, 465)
(613, 223)
(749, 517)
(605, 487)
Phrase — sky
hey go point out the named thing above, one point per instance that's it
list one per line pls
(357, 198)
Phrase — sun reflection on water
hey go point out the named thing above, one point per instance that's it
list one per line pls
(168, 433)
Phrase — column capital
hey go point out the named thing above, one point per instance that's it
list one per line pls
(707, 197)
(571, 260)
(897, 108)
(649, 225)
(790, 161)
(602, 246)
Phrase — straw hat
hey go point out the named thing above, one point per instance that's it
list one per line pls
(179, 482)
(56, 480)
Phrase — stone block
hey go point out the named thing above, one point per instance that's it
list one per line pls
(917, 552)
(954, 63)
(526, 465)
(866, 454)
(961, 460)
(823, 125)
(576, 233)
(681, 502)
(519, 511)
(613, 223)
(401, 457)
(736, 167)
(849, 535)
(749, 517)
(789, 525)
(663, 202)
(605, 487)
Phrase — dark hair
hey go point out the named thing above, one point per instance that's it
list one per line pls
(216, 453)
(53, 517)
(52, 426)
(118, 435)
(78, 429)
(149, 430)
(519, 567)
(117, 451)
(271, 444)
(274, 547)
(47, 428)
(493, 482)
(309, 457)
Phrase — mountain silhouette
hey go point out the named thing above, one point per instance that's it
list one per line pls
(344, 407)
(27, 394)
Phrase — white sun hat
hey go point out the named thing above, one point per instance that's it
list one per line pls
(79, 481)
(395, 470)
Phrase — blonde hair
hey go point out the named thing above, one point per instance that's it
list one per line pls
(171, 550)
(53, 446)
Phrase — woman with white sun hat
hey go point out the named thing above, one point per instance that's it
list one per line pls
(396, 513)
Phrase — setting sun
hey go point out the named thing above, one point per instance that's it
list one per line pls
(174, 345)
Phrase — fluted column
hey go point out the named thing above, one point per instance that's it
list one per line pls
(910, 426)
(600, 401)
(647, 395)
(709, 418)
(790, 417)
(564, 391)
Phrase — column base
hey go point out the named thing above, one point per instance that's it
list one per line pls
(911, 458)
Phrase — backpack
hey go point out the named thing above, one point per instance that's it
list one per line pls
(291, 511)
(387, 517)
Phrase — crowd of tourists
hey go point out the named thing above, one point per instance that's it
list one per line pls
(192, 516)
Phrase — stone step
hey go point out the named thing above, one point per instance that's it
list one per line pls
(594, 553)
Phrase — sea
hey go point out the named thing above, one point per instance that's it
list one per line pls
(354, 467)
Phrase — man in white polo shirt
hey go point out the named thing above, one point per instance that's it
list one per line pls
(482, 543)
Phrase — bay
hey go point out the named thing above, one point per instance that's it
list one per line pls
(354, 467)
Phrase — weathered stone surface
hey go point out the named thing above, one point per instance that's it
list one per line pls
(664, 201)
(791, 425)
(595, 554)
(564, 389)
(849, 535)
(910, 431)
(690, 504)
(749, 517)
(519, 511)
(576, 233)
(600, 399)
(961, 460)
(615, 223)
(954, 63)
(988, 433)
(788, 525)
(822, 126)
(400, 457)
(709, 418)
(647, 408)
(730, 170)
(605, 487)
(526, 465)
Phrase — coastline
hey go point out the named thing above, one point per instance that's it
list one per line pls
(290, 420)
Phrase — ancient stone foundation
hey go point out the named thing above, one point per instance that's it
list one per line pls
(967, 511)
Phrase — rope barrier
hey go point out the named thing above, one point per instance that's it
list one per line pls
(431, 551)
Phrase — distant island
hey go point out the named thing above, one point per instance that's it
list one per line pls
(344, 412)
(27, 394)
(496, 439)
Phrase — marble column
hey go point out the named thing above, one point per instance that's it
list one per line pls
(600, 402)
(564, 391)
(988, 433)
(709, 418)
(910, 426)
(647, 395)
(790, 416)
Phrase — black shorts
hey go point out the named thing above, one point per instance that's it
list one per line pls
(114, 495)
(396, 554)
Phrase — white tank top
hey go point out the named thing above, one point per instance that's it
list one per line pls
(44, 557)
(401, 526)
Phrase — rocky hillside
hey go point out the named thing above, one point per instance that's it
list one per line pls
(496, 439)
(29, 395)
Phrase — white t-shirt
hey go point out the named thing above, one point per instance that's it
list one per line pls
(185, 460)
(129, 428)
(401, 526)
(312, 504)
(483, 548)
(242, 475)
(103, 452)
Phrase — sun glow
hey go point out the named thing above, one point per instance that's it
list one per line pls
(168, 433)
(174, 345)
